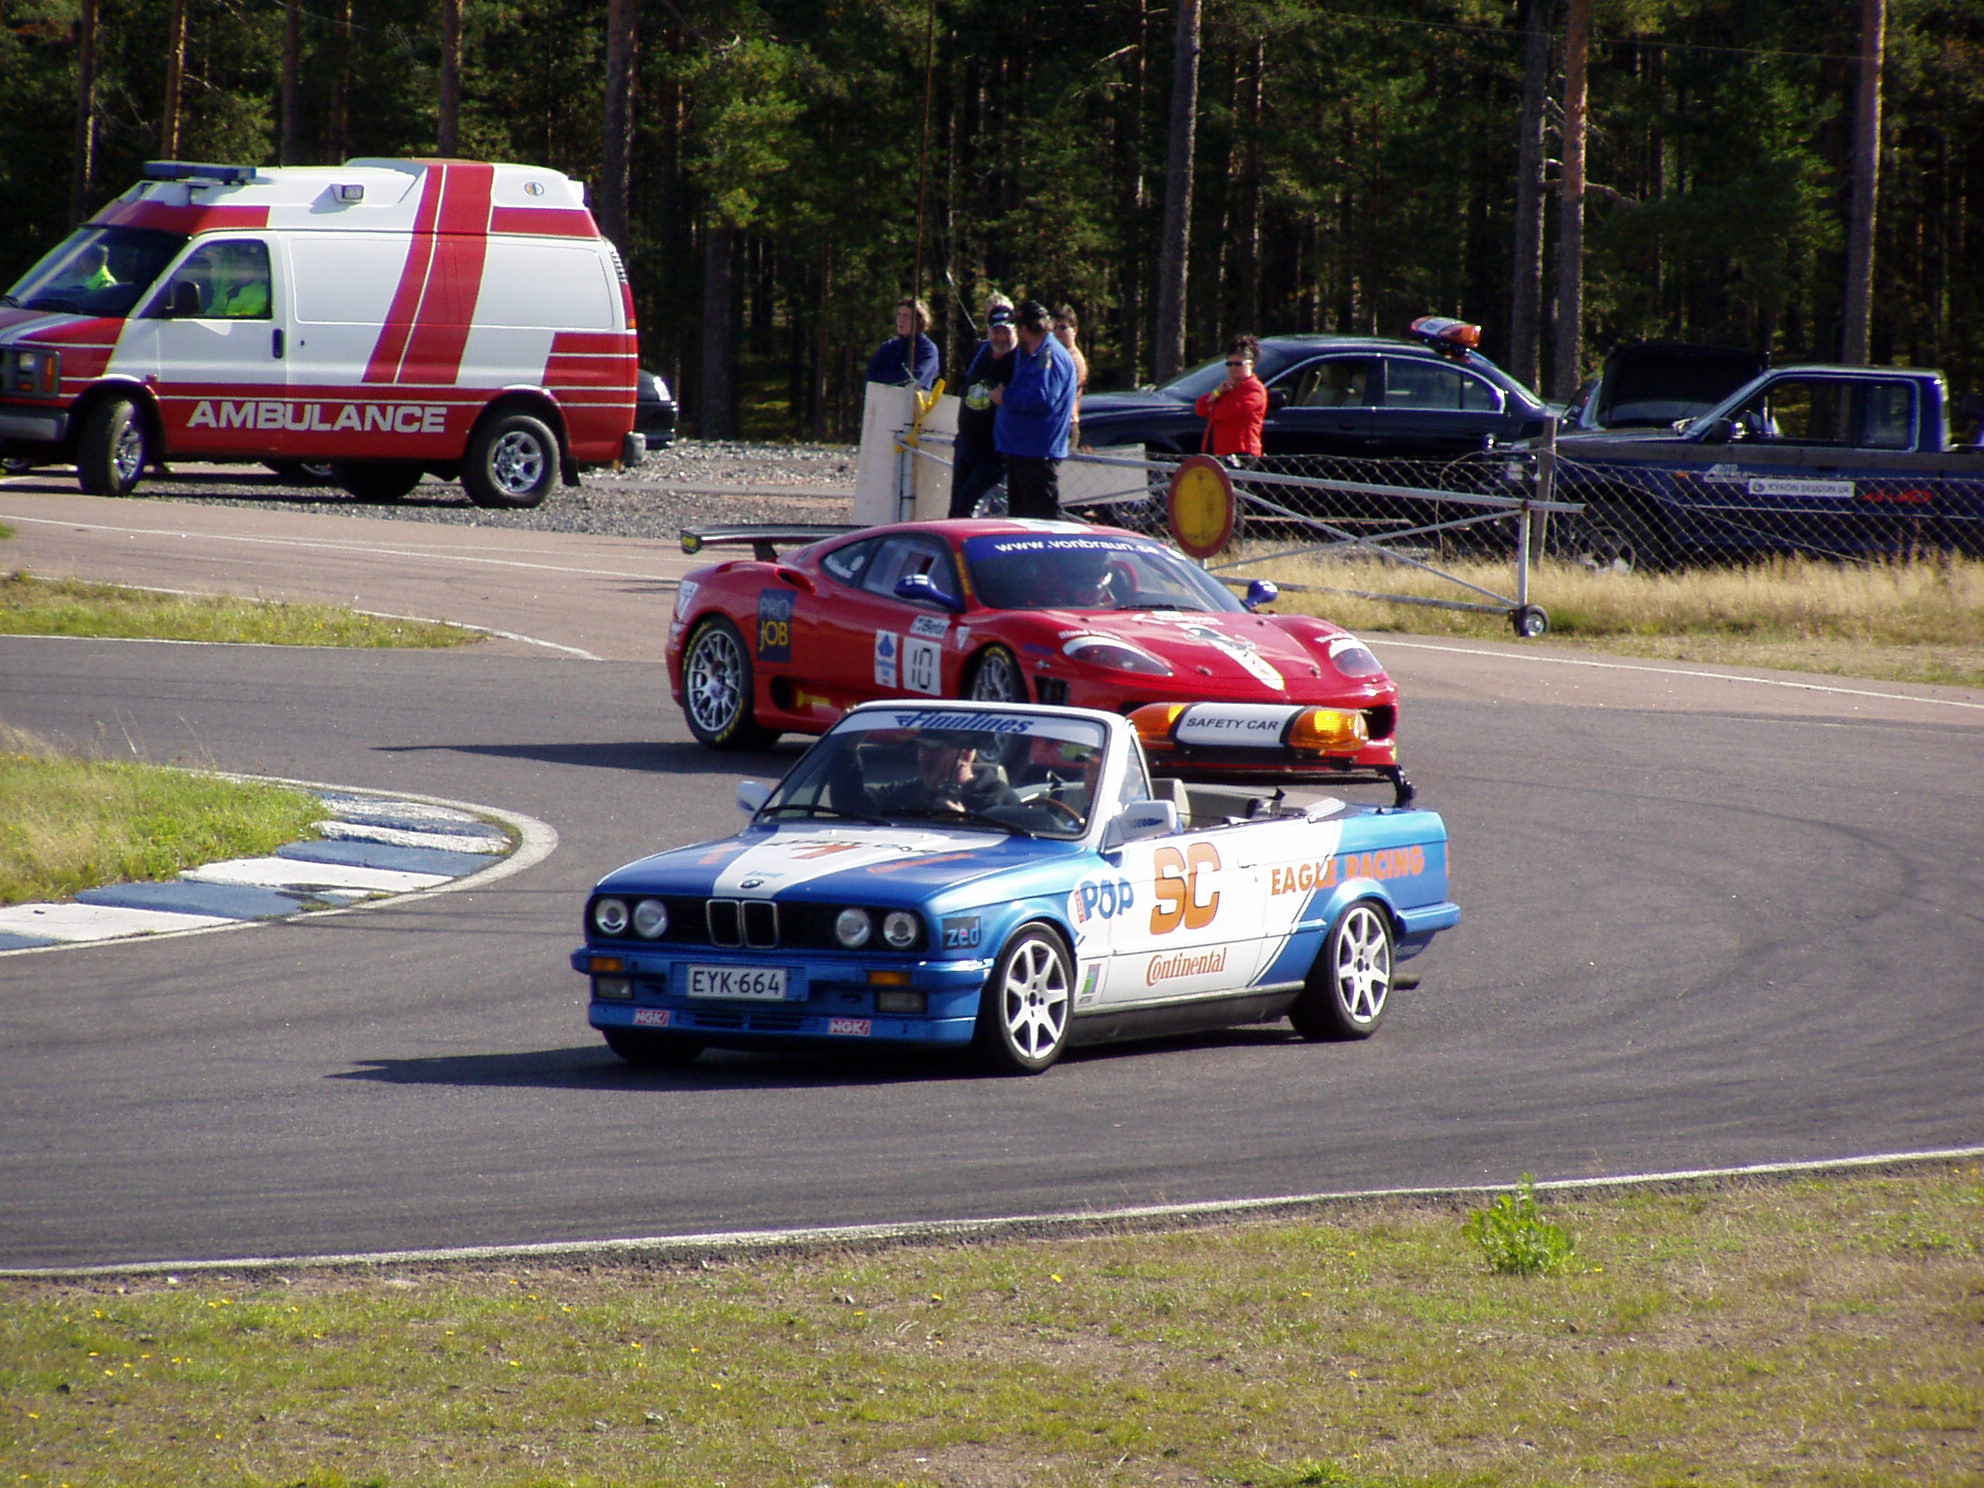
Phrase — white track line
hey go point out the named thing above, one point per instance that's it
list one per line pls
(836, 1236)
(1379, 643)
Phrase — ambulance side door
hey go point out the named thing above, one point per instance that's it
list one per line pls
(212, 341)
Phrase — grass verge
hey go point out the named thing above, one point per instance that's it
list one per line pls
(1905, 622)
(1823, 1331)
(71, 824)
(69, 607)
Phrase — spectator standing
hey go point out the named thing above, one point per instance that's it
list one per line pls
(1035, 408)
(909, 358)
(1234, 410)
(976, 464)
(1065, 327)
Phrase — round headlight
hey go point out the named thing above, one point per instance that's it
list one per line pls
(650, 918)
(852, 927)
(899, 929)
(609, 917)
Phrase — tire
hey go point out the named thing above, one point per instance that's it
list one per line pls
(1616, 539)
(377, 480)
(718, 688)
(512, 462)
(651, 1050)
(996, 677)
(1023, 1012)
(304, 472)
(1529, 621)
(1350, 985)
(114, 449)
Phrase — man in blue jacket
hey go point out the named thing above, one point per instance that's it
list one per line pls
(1034, 410)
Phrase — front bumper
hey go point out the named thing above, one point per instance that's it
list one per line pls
(829, 998)
(34, 426)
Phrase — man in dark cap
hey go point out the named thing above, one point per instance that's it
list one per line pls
(976, 464)
(1034, 410)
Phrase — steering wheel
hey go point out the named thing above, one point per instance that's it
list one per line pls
(1060, 807)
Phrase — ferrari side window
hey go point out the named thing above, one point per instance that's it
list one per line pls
(847, 561)
(904, 554)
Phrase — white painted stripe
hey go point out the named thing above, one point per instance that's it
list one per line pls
(75, 923)
(1654, 669)
(289, 873)
(468, 842)
(830, 1237)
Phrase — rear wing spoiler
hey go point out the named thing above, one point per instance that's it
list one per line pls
(764, 538)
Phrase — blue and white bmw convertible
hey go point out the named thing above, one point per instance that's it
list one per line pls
(1012, 879)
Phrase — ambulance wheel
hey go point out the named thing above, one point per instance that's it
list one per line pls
(377, 480)
(512, 461)
(717, 689)
(1348, 988)
(112, 454)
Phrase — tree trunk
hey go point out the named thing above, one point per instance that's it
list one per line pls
(1859, 310)
(340, 130)
(1566, 374)
(291, 151)
(448, 135)
(717, 416)
(175, 80)
(623, 20)
(83, 159)
(1174, 258)
(1526, 277)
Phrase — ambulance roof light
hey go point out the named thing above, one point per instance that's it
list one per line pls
(350, 191)
(188, 170)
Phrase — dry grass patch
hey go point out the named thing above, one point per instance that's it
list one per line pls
(1825, 1332)
(69, 607)
(1905, 621)
(71, 824)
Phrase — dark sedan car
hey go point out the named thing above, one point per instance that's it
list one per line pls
(654, 409)
(1434, 397)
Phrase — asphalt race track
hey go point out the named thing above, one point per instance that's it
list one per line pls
(1709, 921)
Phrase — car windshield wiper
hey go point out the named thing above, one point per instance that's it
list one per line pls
(10, 301)
(798, 808)
(1157, 604)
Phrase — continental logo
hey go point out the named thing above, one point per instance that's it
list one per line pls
(1167, 968)
(319, 418)
(1326, 873)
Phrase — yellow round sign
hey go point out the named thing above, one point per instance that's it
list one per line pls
(1201, 506)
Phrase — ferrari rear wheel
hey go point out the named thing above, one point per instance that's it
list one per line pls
(996, 677)
(653, 1050)
(717, 688)
(1023, 1012)
(1350, 985)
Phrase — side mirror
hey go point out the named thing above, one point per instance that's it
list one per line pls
(1138, 820)
(1277, 397)
(1721, 431)
(185, 298)
(1261, 592)
(920, 586)
(752, 795)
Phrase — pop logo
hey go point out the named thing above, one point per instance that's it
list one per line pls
(1101, 899)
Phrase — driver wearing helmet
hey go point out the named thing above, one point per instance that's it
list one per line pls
(949, 779)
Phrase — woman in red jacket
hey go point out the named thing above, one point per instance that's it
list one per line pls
(1233, 411)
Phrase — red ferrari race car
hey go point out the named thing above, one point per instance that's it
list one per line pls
(1023, 611)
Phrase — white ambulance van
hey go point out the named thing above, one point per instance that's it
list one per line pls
(389, 318)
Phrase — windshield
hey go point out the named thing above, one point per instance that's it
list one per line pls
(97, 271)
(1017, 774)
(1075, 571)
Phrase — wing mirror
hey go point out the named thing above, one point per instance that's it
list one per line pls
(1138, 820)
(752, 795)
(920, 586)
(1261, 592)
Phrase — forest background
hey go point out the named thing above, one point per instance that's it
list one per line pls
(790, 168)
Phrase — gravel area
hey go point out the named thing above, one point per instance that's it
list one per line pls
(687, 483)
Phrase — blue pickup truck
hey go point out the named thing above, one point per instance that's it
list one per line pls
(1831, 460)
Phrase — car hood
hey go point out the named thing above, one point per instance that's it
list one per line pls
(818, 860)
(1237, 654)
(1148, 400)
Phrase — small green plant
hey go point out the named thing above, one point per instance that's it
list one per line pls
(1515, 1238)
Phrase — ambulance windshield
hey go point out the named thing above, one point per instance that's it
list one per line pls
(97, 271)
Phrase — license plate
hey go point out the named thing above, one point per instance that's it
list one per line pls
(744, 983)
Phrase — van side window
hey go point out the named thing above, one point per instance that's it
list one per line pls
(221, 281)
